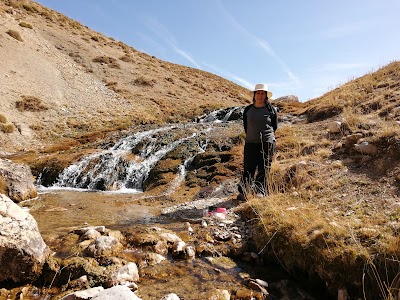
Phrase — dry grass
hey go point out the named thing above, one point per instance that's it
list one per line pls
(144, 81)
(3, 118)
(31, 103)
(3, 186)
(26, 25)
(15, 34)
(331, 211)
(7, 127)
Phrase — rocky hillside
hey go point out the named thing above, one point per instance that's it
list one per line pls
(61, 80)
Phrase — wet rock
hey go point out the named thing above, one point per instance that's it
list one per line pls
(170, 297)
(256, 286)
(249, 294)
(91, 234)
(161, 247)
(104, 246)
(83, 230)
(178, 249)
(17, 180)
(22, 249)
(118, 292)
(116, 234)
(220, 295)
(125, 274)
(81, 283)
(85, 294)
(170, 238)
(76, 267)
(222, 235)
(154, 258)
(190, 252)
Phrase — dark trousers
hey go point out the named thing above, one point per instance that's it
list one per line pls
(257, 157)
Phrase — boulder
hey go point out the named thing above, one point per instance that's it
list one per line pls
(288, 98)
(85, 294)
(22, 249)
(16, 181)
(125, 274)
(171, 296)
(352, 139)
(366, 148)
(119, 292)
(104, 246)
(334, 127)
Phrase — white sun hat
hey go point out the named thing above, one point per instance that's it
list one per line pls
(263, 87)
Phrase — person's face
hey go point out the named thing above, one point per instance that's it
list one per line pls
(260, 96)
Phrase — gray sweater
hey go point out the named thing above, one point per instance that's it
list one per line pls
(260, 123)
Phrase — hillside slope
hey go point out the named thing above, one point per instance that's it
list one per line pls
(61, 80)
(333, 210)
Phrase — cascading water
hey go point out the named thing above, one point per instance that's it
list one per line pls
(223, 115)
(126, 165)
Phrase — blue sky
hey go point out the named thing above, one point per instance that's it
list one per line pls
(303, 48)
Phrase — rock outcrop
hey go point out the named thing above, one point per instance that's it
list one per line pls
(22, 249)
(16, 181)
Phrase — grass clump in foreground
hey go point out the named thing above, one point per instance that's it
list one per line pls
(347, 241)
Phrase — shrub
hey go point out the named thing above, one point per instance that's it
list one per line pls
(104, 59)
(29, 8)
(3, 118)
(26, 25)
(7, 128)
(30, 103)
(127, 58)
(111, 62)
(15, 34)
(142, 80)
(15, 4)
(3, 186)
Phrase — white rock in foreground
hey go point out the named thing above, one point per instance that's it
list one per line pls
(22, 249)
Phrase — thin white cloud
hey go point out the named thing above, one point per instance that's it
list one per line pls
(227, 74)
(263, 44)
(187, 56)
(168, 38)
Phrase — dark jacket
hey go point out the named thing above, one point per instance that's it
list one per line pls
(270, 107)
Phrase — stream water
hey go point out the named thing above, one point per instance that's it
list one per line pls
(106, 188)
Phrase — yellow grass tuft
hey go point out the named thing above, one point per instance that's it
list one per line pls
(31, 103)
(7, 127)
(15, 34)
(26, 25)
(3, 118)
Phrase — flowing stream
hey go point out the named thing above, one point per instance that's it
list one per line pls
(107, 188)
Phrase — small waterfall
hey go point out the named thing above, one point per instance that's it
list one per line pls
(223, 115)
(182, 168)
(127, 164)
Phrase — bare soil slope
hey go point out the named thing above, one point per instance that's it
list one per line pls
(62, 80)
